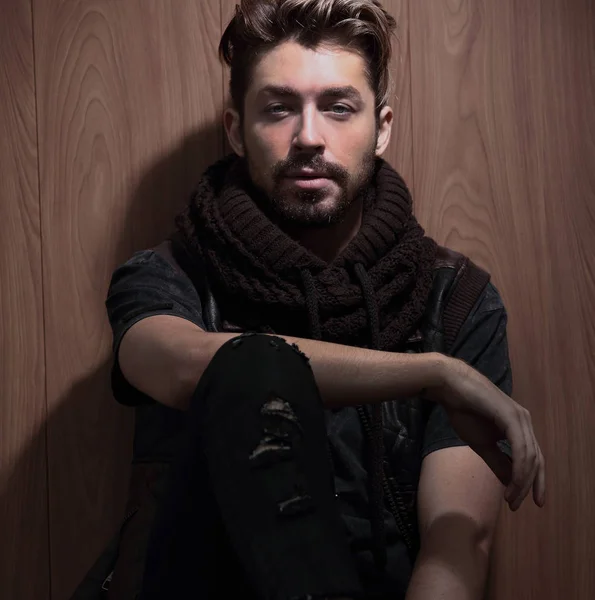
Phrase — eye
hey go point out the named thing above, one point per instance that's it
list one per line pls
(276, 109)
(341, 109)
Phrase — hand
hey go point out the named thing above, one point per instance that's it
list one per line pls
(481, 414)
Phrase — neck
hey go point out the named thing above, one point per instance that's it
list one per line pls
(328, 243)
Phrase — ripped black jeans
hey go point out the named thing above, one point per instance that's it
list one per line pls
(250, 511)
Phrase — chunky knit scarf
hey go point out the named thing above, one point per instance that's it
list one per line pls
(372, 295)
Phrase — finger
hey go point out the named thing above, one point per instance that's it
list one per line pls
(515, 433)
(498, 462)
(528, 485)
(515, 504)
(532, 462)
(539, 485)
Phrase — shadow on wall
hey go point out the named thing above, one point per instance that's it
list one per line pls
(89, 435)
(165, 188)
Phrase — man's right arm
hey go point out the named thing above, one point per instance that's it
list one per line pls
(164, 357)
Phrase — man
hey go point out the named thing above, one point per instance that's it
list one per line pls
(333, 449)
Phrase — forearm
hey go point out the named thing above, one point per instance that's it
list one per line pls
(345, 375)
(450, 568)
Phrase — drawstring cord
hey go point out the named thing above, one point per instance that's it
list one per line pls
(375, 429)
(375, 437)
(311, 303)
(370, 303)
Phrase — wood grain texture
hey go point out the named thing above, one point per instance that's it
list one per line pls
(399, 152)
(24, 567)
(504, 156)
(227, 9)
(127, 92)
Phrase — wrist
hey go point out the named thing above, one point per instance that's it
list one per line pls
(440, 372)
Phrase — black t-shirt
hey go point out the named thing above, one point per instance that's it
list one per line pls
(147, 285)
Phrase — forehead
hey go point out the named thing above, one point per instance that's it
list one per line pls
(309, 70)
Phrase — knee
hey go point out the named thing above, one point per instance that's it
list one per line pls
(254, 354)
(252, 365)
(263, 344)
(254, 379)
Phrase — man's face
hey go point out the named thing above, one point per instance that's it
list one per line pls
(309, 133)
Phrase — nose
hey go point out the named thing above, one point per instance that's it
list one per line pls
(309, 133)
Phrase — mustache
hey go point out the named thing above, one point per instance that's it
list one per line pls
(328, 169)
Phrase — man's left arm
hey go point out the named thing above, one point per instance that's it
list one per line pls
(459, 497)
(458, 504)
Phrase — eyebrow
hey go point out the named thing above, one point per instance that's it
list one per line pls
(283, 91)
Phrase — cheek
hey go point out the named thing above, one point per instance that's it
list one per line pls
(353, 147)
(355, 158)
(270, 135)
(264, 149)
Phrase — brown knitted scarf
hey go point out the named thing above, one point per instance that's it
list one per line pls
(371, 296)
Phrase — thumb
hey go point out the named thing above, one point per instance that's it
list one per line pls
(499, 462)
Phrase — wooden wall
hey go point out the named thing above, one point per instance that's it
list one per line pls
(24, 557)
(109, 112)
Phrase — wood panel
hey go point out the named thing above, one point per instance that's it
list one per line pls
(400, 150)
(504, 149)
(24, 571)
(127, 93)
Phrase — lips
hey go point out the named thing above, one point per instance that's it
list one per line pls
(309, 181)
(308, 175)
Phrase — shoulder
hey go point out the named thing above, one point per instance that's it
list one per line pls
(461, 297)
(149, 280)
(464, 271)
(455, 268)
(447, 258)
(458, 284)
(145, 285)
(145, 260)
(151, 266)
(489, 301)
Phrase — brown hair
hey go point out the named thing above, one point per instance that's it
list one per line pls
(362, 26)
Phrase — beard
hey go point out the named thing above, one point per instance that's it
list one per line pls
(318, 208)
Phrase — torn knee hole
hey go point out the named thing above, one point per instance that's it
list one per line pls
(277, 407)
(279, 426)
(270, 443)
(298, 504)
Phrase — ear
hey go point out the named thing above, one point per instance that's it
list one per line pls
(385, 123)
(233, 128)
